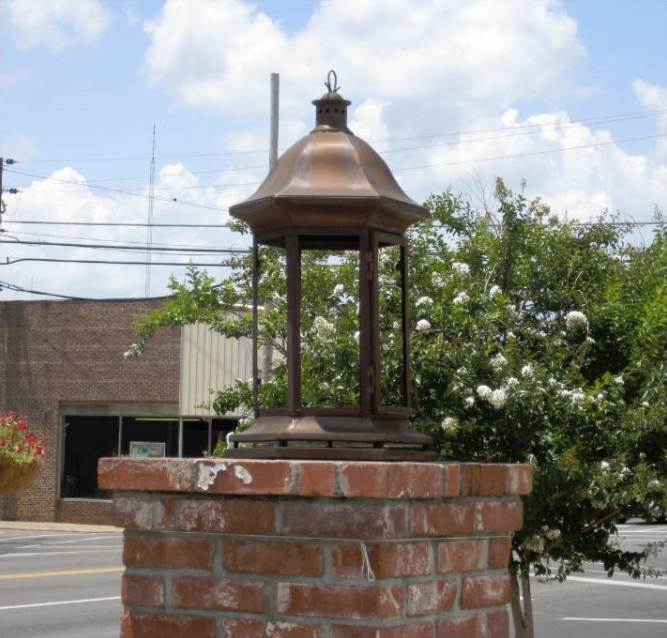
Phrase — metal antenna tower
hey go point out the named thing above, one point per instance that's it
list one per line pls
(149, 237)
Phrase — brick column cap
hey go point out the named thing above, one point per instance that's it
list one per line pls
(333, 479)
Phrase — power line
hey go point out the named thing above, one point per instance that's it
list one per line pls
(403, 168)
(553, 150)
(107, 240)
(9, 262)
(122, 224)
(157, 188)
(592, 120)
(186, 249)
(539, 129)
(15, 288)
(172, 200)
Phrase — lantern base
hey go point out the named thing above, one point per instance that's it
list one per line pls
(332, 437)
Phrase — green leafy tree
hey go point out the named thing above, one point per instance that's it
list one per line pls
(533, 341)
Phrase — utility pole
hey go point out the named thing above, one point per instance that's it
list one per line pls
(273, 135)
(267, 350)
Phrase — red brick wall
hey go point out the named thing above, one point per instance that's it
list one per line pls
(248, 548)
(72, 351)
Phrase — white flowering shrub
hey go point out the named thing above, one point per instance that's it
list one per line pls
(563, 349)
(531, 343)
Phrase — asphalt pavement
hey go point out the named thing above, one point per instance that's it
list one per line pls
(60, 584)
(65, 583)
(591, 605)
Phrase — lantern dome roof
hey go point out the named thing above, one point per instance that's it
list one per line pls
(330, 179)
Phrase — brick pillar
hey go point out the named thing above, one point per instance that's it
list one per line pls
(325, 549)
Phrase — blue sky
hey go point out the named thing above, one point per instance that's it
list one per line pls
(83, 82)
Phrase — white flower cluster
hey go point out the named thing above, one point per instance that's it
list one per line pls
(527, 371)
(575, 320)
(322, 327)
(577, 396)
(495, 291)
(484, 392)
(461, 269)
(510, 383)
(461, 298)
(134, 352)
(424, 302)
(469, 402)
(422, 325)
(449, 424)
(535, 543)
(550, 534)
(496, 398)
(437, 280)
(498, 362)
(338, 290)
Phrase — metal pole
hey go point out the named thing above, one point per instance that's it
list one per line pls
(273, 136)
(267, 350)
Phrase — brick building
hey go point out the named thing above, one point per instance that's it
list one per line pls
(62, 370)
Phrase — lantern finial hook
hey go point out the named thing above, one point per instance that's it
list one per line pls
(335, 87)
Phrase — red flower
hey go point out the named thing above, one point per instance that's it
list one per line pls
(40, 451)
(31, 440)
(3, 442)
(18, 448)
(22, 426)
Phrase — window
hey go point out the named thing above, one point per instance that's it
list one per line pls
(89, 437)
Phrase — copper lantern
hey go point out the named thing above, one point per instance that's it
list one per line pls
(331, 203)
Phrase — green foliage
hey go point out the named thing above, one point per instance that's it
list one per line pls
(533, 341)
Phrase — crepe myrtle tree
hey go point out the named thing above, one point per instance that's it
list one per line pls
(533, 341)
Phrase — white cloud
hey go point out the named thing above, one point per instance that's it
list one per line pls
(218, 54)
(654, 98)
(417, 69)
(58, 199)
(56, 24)
(367, 120)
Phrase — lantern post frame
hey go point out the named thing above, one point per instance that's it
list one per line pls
(332, 192)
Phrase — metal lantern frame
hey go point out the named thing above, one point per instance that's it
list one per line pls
(330, 191)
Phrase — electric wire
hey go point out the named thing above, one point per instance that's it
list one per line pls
(121, 224)
(225, 251)
(540, 128)
(10, 262)
(531, 153)
(7, 286)
(400, 168)
(598, 119)
(172, 200)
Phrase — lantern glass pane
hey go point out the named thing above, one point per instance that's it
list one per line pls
(272, 327)
(330, 325)
(391, 325)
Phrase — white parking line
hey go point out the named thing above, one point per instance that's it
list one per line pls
(648, 620)
(77, 540)
(79, 534)
(62, 602)
(599, 581)
(83, 551)
(58, 546)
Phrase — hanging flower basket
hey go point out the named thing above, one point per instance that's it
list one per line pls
(16, 476)
(21, 454)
